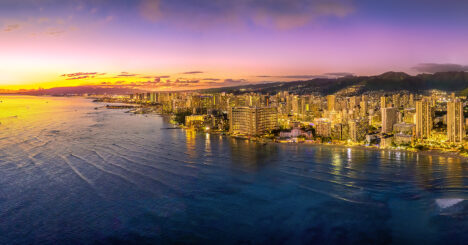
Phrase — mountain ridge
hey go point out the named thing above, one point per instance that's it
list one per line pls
(387, 82)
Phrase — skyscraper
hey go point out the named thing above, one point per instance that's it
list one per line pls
(358, 129)
(383, 102)
(396, 100)
(389, 118)
(423, 119)
(411, 100)
(331, 102)
(455, 121)
(363, 108)
(353, 102)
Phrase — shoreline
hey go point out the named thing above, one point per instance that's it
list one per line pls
(432, 152)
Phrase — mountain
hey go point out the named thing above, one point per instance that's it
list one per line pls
(387, 82)
(349, 85)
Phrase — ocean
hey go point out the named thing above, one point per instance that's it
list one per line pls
(74, 172)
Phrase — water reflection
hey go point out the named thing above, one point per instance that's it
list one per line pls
(252, 156)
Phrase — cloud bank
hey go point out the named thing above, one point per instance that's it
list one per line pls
(435, 67)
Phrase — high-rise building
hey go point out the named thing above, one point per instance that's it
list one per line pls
(383, 102)
(331, 99)
(389, 118)
(363, 108)
(455, 121)
(364, 98)
(423, 118)
(353, 102)
(252, 120)
(411, 100)
(396, 100)
(340, 131)
(358, 129)
(323, 128)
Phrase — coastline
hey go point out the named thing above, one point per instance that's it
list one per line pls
(432, 152)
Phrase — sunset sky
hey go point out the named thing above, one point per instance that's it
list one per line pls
(186, 44)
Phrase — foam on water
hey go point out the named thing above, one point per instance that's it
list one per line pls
(444, 203)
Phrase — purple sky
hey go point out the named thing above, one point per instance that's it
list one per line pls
(158, 42)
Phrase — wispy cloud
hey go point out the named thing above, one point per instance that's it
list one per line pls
(435, 67)
(339, 74)
(233, 81)
(81, 75)
(126, 74)
(192, 72)
(55, 32)
(283, 14)
(211, 79)
(187, 81)
(11, 27)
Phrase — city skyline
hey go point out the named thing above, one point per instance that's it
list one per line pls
(174, 45)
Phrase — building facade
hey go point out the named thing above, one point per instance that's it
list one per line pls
(252, 121)
(423, 119)
(455, 121)
(389, 118)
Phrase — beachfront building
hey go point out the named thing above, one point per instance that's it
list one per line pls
(252, 121)
(358, 129)
(455, 121)
(389, 118)
(423, 119)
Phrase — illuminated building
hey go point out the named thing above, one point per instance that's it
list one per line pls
(386, 141)
(383, 102)
(396, 100)
(423, 119)
(195, 121)
(455, 121)
(404, 128)
(340, 131)
(389, 118)
(323, 127)
(358, 129)
(252, 120)
(363, 108)
(331, 100)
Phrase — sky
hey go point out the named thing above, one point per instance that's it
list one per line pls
(191, 44)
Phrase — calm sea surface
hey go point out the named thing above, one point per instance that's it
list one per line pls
(70, 174)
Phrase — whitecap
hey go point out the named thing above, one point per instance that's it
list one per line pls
(444, 203)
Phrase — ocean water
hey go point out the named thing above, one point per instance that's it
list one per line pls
(73, 174)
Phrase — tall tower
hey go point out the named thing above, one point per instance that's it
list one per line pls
(455, 121)
(364, 108)
(423, 119)
(396, 100)
(411, 100)
(353, 102)
(383, 102)
(389, 118)
(331, 102)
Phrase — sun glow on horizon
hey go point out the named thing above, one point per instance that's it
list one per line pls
(229, 43)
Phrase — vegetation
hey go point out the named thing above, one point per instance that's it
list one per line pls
(421, 147)
(179, 117)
